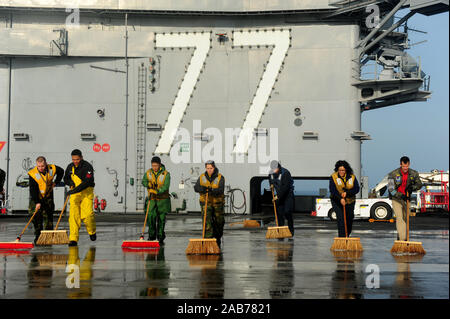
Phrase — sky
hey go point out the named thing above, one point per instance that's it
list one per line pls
(419, 130)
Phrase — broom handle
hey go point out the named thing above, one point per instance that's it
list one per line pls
(145, 220)
(62, 211)
(345, 221)
(407, 217)
(23, 231)
(204, 217)
(64, 207)
(274, 205)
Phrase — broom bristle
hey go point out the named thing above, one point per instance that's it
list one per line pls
(354, 244)
(44, 238)
(278, 232)
(399, 247)
(61, 238)
(249, 223)
(346, 243)
(416, 248)
(339, 243)
(53, 237)
(408, 247)
(204, 246)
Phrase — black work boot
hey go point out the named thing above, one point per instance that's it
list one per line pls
(292, 233)
(219, 242)
(72, 243)
(93, 237)
(161, 239)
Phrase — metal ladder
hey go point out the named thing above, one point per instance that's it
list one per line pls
(140, 135)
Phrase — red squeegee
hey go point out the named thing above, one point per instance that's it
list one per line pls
(141, 243)
(137, 244)
(17, 244)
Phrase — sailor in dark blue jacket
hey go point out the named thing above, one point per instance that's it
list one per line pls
(283, 184)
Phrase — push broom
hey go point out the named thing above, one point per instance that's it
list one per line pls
(17, 244)
(278, 231)
(203, 246)
(346, 243)
(54, 237)
(248, 223)
(141, 243)
(406, 246)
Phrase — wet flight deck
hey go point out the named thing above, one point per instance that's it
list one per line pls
(249, 266)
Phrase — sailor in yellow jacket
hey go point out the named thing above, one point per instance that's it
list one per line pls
(42, 179)
(213, 183)
(80, 177)
(343, 189)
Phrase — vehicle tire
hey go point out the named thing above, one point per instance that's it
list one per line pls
(332, 214)
(381, 210)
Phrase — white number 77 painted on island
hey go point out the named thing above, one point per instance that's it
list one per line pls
(280, 39)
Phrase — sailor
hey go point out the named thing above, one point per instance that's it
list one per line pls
(157, 182)
(401, 183)
(2, 182)
(343, 189)
(211, 182)
(283, 184)
(42, 179)
(79, 176)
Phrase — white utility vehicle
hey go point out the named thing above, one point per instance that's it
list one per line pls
(376, 208)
